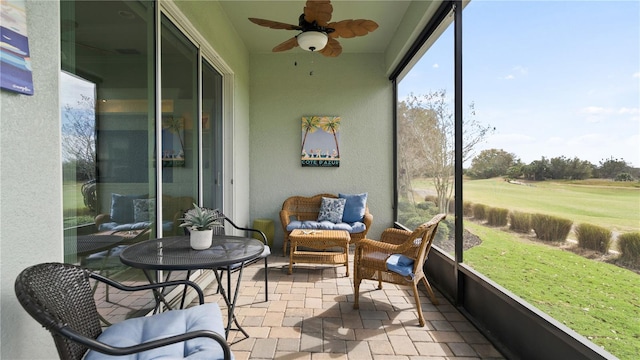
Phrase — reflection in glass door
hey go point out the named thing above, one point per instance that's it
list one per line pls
(179, 88)
(211, 136)
(110, 166)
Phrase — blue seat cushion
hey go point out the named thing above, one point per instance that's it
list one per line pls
(104, 260)
(400, 264)
(138, 330)
(352, 228)
(114, 226)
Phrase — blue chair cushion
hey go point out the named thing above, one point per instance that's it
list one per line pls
(114, 226)
(352, 228)
(400, 264)
(99, 260)
(138, 330)
(354, 208)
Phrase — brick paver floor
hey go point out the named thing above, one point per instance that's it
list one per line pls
(310, 315)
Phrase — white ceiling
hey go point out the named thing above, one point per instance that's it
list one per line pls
(258, 39)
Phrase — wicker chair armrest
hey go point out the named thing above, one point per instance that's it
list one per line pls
(124, 287)
(285, 216)
(119, 351)
(368, 245)
(101, 219)
(367, 220)
(395, 236)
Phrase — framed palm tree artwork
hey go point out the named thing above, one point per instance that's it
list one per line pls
(320, 141)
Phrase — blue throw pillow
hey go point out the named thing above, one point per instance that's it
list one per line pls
(122, 208)
(331, 209)
(354, 208)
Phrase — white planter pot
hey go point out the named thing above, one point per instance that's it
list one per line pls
(201, 240)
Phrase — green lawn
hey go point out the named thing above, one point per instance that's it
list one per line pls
(598, 300)
(613, 205)
(72, 196)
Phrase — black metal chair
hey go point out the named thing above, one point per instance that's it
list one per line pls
(220, 230)
(265, 254)
(59, 296)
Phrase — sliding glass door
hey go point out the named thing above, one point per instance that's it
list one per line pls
(142, 126)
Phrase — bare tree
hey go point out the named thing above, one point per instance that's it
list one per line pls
(79, 137)
(426, 142)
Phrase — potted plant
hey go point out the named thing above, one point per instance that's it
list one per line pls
(200, 222)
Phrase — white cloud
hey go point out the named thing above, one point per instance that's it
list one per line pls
(516, 71)
(595, 110)
(555, 140)
(521, 70)
(636, 75)
(435, 66)
(586, 139)
(628, 111)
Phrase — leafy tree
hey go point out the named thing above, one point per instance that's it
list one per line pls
(611, 167)
(426, 142)
(558, 168)
(624, 177)
(79, 137)
(516, 170)
(579, 169)
(491, 163)
(574, 169)
(537, 170)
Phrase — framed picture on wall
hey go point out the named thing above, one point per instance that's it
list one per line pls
(15, 72)
(320, 141)
(173, 141)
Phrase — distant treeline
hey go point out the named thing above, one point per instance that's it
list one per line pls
(497, 162)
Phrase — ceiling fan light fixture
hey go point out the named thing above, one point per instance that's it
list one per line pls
(312, 40)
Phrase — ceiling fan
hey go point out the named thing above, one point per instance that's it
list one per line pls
(317, 33)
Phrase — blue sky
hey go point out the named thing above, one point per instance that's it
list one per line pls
(556, 78)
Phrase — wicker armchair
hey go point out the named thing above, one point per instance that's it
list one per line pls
(59, 297)
(372, 257)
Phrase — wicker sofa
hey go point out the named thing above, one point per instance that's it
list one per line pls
(300, 212)
(124, 215)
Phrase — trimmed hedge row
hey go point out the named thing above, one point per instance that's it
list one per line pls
(629, 245)
(593, 237)
(552, 228)
(497, 216)
(520, 222)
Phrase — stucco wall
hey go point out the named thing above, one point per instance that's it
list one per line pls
(30, 164)
(30, 183)
(352, 86)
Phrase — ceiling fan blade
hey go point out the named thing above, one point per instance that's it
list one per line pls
(318, 11)
(352, 28)
(287, 45)
(274, 24)
(332, 49)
